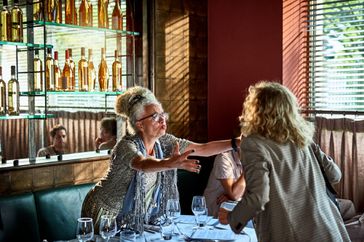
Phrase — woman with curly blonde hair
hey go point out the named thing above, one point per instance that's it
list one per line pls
(285, 190)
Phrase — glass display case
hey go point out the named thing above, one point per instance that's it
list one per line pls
(44, 38)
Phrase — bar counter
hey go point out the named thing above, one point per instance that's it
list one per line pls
(75, 168)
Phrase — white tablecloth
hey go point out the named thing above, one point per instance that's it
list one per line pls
(186, 227)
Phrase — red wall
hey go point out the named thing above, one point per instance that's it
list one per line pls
(244, 46)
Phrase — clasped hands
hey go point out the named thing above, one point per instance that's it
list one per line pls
(181, 161)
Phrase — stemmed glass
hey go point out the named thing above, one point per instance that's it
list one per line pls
(173, 210)
(85, 229)
(199, 209)
(108, 227)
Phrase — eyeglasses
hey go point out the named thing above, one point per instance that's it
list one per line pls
(156, 117)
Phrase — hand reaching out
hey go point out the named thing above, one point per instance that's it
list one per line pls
(181, 161)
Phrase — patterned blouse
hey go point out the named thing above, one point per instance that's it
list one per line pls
(108, 194)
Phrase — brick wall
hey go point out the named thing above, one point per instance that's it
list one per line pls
(181, 65)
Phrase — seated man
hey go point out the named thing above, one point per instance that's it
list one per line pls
(107, 138)
(226, 181)
(59, 142)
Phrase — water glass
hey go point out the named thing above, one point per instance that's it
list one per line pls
(201, 218)
(199, 209)
(85, 229)
(127, 235)
(167, 227)
(108, 227)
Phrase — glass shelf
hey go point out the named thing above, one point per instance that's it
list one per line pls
(36, 93)
(122, 32)
(25, 44)
(27, 116)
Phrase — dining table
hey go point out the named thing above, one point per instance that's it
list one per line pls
(186, 229)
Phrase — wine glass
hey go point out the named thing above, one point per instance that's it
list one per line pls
(85, 229)
(198, 208)
(173, 210)
(108, 227)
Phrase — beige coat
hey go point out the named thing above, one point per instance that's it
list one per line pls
(286, 194)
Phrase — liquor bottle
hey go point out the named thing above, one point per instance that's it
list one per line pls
(16, 23)
(70, 12)
(49, 75)
(102, 14)
(90, 13)
(103, 72)
(117, 81)
(72, 85)
(57, 73)
(83, 14)
(82, 71)
(59, 12)
(75, 20)
(37, 10)
(2, 94)
(67, 73)
(5, 22)
(13, 94)
(51, 10)
(117, 17)
(91, 72)
(38, 75)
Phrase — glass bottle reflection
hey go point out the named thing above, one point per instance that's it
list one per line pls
(103, 19)
(52, 10)
(38, 76)
(37, 10)
(72, 85)
(67, 73)
(16, 23)
(49, 75)
(82, 71)
(5, 22)
(117, 82)
(57, 73)
(59, 11)
(70, 12)
(117, 17)
(83, 13)
(13, 94)
(91, 72)
(2, 94)
(103, 72)
(90, 13)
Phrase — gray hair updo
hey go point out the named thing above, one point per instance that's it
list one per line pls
(131, 103)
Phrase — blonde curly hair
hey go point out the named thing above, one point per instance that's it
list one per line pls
(131, 103)
(271, 110)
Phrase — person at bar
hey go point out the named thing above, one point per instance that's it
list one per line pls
(108, 132)
(285, 189)
(226, 181)
(59, 142)
(144, 163)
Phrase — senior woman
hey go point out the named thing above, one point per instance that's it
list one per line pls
(285, 189)
(144, 163)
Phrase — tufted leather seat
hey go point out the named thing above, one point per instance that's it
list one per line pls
(58, 210)
(49, 214)
(18, 218)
